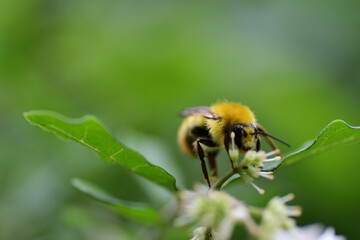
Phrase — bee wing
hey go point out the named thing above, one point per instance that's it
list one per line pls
(203, 111)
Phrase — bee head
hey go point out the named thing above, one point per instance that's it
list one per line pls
(244, 136)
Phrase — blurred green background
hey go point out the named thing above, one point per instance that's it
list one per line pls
(136, 65)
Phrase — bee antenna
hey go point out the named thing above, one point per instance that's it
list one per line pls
(277, 139)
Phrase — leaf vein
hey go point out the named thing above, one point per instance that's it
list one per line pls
(85, 133)
(80, 141)
(116, 153)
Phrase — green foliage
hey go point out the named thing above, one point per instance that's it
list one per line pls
(336, 133)
(138, 212)
(89, 132)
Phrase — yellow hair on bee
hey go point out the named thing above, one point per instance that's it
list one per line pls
(230, 113)
(187, 124)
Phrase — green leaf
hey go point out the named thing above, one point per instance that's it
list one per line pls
(138, 212)
(89, 132)
(336, 133)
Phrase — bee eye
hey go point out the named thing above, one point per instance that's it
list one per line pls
(245, 134)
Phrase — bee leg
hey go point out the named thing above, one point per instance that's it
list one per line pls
(271, 142)
(257, 144)
(226, 144)
(212, 162)
(200, 152)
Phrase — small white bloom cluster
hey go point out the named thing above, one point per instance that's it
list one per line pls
(213, 211)
(199, 233)
(214, 215)
(277, 224)
(251, 167)
(310, 232)
(277, 215)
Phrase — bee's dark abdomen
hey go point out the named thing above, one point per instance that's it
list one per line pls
(196, 133)
(202, 132)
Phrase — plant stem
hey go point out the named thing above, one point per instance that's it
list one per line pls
(208, 234)
(221, 181)
(255, 211)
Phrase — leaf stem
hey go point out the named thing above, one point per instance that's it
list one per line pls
(222, 180)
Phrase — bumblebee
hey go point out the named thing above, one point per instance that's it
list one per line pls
(207, 129)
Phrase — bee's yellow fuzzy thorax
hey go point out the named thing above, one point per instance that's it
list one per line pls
(230, 114)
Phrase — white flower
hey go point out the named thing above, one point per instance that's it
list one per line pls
(252, 164)
(209, 209)
(199, 233)
(310, 232)
(277, 215)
